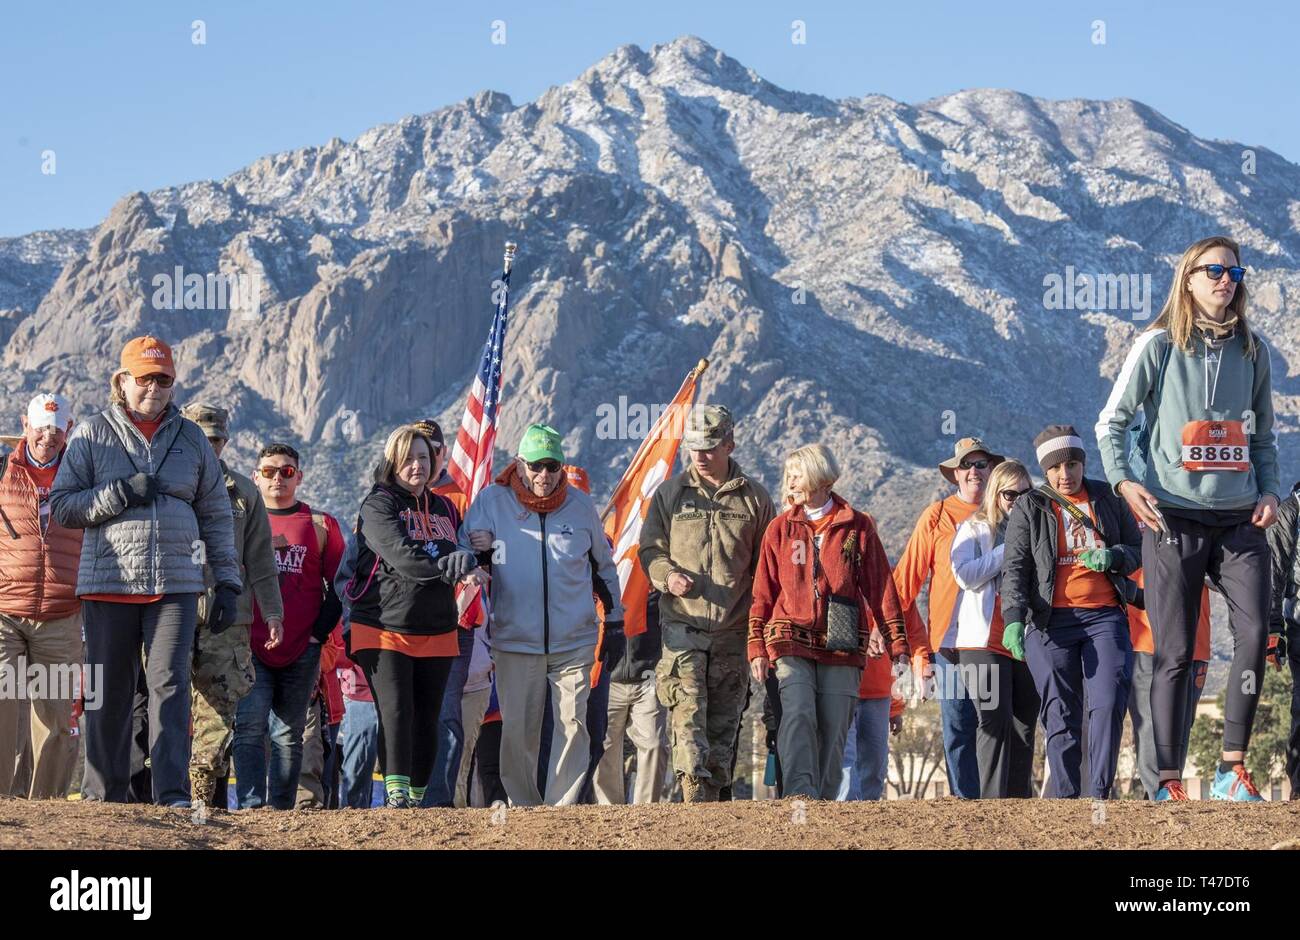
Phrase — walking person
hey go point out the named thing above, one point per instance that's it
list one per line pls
(1006, 702)
(143, 482)
(544, 629)
(1069, 549)
(821, 569)
(40, 615)
(699, 548)
(403, 620)
(1209, 490)
(223, 661)
(928, 556)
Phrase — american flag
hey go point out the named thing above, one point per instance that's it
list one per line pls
(471, 456)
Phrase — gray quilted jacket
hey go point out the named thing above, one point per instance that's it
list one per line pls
(154, 549)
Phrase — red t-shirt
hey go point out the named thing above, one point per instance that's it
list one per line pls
(304, 572)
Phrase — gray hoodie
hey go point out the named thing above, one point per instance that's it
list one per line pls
(156, 549)
(542, 601)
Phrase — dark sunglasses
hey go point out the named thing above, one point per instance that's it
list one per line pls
(549, 466)
(1215, 271)
(1011, 495)
(162, 381)
(287, 472)
(974, 464)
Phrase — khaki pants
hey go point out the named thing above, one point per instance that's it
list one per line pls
(817, 706)
(473, 706)
(522, 679)
(311, 788)
(633, 707)
(55, 646)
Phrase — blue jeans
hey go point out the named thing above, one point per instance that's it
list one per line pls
(450, 744)
(960, 724)
(277, 703)
(359, 736)
(870, 743)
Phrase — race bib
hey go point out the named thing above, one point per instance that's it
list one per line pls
(1215, 445)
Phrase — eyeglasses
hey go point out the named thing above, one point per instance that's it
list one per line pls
(544, 466)
(980, 464)
(1216, 271)
(1011, 495)
(288, 472)
(162, 381)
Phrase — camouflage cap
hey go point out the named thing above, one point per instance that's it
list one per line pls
(707, 426)
(212, 420)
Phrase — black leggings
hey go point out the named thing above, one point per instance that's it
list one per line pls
(408, 695)
(1236, 559)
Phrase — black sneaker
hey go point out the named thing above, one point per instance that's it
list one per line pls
(397, 801)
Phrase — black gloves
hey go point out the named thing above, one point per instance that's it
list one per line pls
(771, 741)
(139, 489)
(456, 565)
(614, 645)
(225, 608)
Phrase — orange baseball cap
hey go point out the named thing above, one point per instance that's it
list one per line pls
(147, 355)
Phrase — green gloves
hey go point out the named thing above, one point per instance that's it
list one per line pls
(1097, 559)
(1013, 638)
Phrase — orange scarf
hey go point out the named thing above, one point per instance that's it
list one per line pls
(510, 477)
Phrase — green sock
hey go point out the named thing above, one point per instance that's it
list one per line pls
(417, 794)
(397, 785)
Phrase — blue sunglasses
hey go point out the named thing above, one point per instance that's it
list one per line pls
(1215, 271)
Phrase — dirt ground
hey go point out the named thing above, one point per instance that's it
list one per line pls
(783, 824)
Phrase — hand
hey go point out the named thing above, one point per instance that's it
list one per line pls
(456, 565)
(139, 489)
(1276, 650)
(1096, 559)
(480, 540)
(1013, 638)
(225, 608)
(613, 644)
(1140, 501)
(758, 667)
(476, 578)
(771, 741)
(895, 724)
(679, 584)
(275, 626)
(875, 643)
(1265, 511)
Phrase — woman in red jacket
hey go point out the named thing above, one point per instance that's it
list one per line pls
(822, 575)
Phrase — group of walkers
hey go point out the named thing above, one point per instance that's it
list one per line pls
(480, 648)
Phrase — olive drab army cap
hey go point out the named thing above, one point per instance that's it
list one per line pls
(212, 420)
(707, 426)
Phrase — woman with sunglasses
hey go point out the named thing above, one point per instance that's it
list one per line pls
(402, 628)
(549, 554)
(1006, 702)
(144, 483)
(1070, 548)
(1209, 490)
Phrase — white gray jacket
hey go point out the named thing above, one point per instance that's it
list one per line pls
(154, 549)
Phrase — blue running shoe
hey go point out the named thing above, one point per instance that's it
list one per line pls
(1235, 785)
(1172, 792)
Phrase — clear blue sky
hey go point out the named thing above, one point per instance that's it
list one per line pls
(127, 102)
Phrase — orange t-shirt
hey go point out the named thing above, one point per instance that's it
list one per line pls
(148, 429)
(365, 637)
(1139, 625)
(929, 555)
(1077, 586)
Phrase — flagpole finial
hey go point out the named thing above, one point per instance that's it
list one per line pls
(511, 249)
(700, 367)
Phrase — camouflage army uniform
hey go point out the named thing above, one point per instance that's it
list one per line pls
(713, 537)
(223, 664)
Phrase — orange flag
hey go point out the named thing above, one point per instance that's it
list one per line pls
(628, 506)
